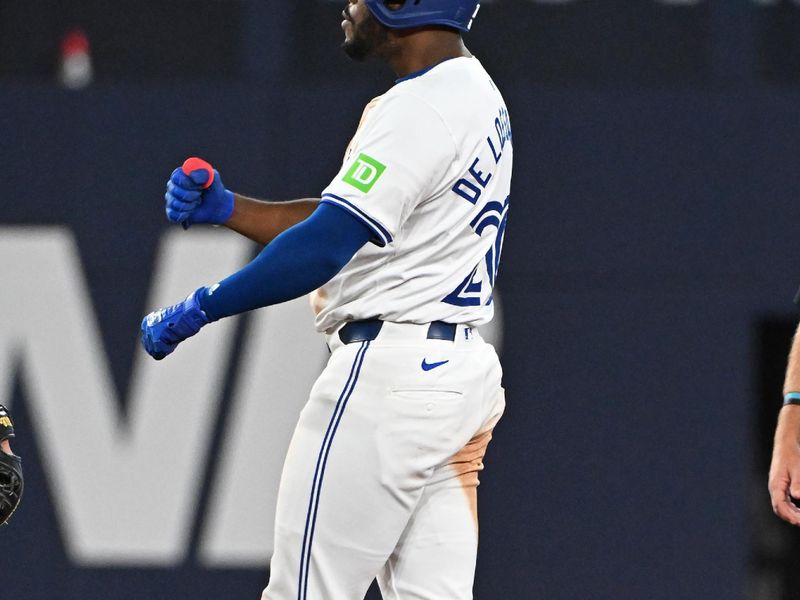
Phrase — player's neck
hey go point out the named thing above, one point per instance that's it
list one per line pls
(421, 49)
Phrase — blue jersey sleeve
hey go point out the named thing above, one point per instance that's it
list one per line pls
(298, 261)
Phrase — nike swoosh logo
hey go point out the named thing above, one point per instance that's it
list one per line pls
(426, 366)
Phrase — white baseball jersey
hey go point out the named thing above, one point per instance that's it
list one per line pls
(429, 172)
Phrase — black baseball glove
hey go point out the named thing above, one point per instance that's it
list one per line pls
(11, 482)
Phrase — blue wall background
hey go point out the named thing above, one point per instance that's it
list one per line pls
(653, 224)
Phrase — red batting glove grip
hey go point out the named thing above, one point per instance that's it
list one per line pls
(194, 163)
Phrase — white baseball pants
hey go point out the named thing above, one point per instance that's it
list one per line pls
(381, 475)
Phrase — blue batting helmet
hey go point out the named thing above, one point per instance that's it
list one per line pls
(417, 13)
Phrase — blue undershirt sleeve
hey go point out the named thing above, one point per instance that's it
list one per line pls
(298, 261)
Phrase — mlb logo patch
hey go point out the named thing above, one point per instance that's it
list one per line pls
(364, 173)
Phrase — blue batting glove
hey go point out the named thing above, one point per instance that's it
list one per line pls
(164, 329)
(188, 203)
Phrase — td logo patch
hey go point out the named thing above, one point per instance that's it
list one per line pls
(364, 173)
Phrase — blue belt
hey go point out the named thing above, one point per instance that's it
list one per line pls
(366, 331)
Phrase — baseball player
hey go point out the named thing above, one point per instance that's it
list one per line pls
(400, 255)
(11, 477)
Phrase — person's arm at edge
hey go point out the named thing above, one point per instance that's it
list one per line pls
(784, 473)
(262, 221)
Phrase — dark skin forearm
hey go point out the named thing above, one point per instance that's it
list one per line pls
(262, 221)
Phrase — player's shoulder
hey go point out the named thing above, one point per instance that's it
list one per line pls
(453, 76)
(445, 99)
(403, 109)
(451, 86)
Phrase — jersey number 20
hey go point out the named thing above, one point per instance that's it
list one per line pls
(470, 291)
